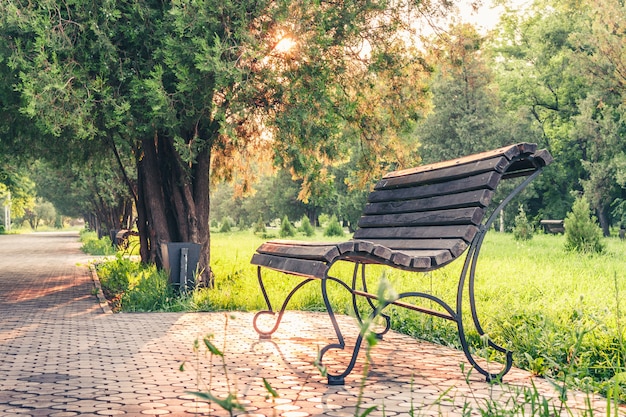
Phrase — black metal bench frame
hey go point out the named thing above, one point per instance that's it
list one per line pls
(313, 261)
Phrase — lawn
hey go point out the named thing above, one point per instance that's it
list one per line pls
(561, 312)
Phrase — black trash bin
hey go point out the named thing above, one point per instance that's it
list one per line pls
(180, 259)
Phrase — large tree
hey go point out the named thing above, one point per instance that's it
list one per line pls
(195, 90)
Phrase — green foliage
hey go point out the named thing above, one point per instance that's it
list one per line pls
(259, 226)
(286, 228)
(150, 291)
(115, 275)
(582, 234)
(94, 246)
(305, 227)
(131, 286)
(523, 229)
(226, 226)
(468, 115)
(334, 228)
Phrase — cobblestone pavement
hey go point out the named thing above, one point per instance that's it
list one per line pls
(63, 354)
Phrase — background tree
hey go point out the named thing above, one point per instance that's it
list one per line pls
(537, 70)
(467, 116)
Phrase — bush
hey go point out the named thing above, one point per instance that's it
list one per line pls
(115, 275)
(150, 293)
(333, 228)
(94, 246)
(523, 229)
(305, 227)
(131, 286)
(286, 228)
(582, 233)
(259, 226)
(226, 226)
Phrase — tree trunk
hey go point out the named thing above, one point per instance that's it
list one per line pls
(201, 197)
(604, 222)
(173, 202)
(142, 216)
(154, 200)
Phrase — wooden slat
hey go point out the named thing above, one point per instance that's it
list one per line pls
(422, 263)
(510, 152)
(527, 166)
(402, 259)
(498, 164)
(476, 198)
(465, 232)
(324, 253)
(544, 156)
(382, 252)
(439, 257)
(288, 242)
(382, 255)
(292, 266)
(455, 246)
(487, 180)
(363, 246)
(346, 246)
(471, 215)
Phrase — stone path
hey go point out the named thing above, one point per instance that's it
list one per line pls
(63, 354)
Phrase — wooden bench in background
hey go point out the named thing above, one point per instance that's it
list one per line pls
(553, 226)
(416, 220)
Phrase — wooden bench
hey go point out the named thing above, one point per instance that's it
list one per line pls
(553, 226)
(416, 220)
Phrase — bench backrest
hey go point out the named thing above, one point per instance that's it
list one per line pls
(441, 206)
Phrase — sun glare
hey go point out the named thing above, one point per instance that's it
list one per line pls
(285, 45)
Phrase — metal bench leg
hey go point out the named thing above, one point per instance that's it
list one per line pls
(333, 379)
(268, 334)
(379, 335)
(470, 266)
(339, 379)
(375, 312)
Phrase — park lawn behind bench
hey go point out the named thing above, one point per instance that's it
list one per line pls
(560, 312)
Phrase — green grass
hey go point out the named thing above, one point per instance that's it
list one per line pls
(560, 312)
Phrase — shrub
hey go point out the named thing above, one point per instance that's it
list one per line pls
(323, 219)
(132, 286)
(333, 228)
(523, 229)
(582, 234)
(226, 226)
(98, 247)
(305, 227)
(151, 292)
(259, 226)
(286, 228)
